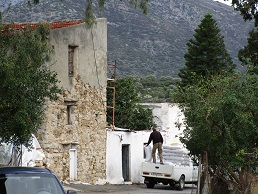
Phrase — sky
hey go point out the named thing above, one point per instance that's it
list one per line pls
(226, 2)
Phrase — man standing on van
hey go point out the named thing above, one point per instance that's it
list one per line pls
(157, 140)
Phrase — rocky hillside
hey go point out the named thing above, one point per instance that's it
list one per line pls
(145, 44)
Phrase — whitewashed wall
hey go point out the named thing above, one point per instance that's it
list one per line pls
(115, 141)
(165, 117)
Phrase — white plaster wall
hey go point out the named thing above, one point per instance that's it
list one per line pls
(115, 141)
(114, 158)
(90, 56)
(167, 115)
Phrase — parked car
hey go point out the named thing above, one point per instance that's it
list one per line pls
(30, 180)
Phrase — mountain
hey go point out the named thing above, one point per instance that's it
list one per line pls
(145, 44)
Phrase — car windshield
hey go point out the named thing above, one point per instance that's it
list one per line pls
(29, 184)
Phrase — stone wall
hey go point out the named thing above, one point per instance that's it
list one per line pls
(86, 133)
(74, 131)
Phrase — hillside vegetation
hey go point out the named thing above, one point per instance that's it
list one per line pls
(155, 89)
(142, 45)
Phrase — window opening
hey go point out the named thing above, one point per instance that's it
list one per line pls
(70, 103)
(69, 114)
(71, 61)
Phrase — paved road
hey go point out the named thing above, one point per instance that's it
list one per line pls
(129, 189)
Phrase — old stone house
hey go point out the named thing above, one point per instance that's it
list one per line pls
(73, 136)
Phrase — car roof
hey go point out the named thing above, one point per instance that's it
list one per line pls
(24, 170)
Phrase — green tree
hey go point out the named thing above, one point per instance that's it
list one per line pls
(206, 55)
(155, 89)
(219, 108)
(249, 54)
(247, 8)
(129, 113)
(220, 119)
(25, 83)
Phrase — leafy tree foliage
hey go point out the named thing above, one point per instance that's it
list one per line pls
(206, 55)
(219, 108)
(249, 54)
(247, 8)
(156, 89)
(129, 113)
(220, 118)
(25, 83)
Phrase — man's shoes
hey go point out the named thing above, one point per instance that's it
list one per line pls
(162, 163)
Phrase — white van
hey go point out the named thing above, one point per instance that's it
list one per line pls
(177, 170)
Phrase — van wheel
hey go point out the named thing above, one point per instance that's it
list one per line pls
(150, 184)
(181, 183)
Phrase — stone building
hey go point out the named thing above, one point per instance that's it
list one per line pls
(73, 136)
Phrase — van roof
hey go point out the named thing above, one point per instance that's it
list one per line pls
(24, 170)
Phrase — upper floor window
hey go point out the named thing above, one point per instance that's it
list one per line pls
(71, 60)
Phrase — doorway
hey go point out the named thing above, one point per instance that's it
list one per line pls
(73, 164)
(125, 162)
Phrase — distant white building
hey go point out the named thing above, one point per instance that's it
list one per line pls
(166, 115)
(125, 149)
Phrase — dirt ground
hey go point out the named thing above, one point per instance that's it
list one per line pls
(128, 189)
